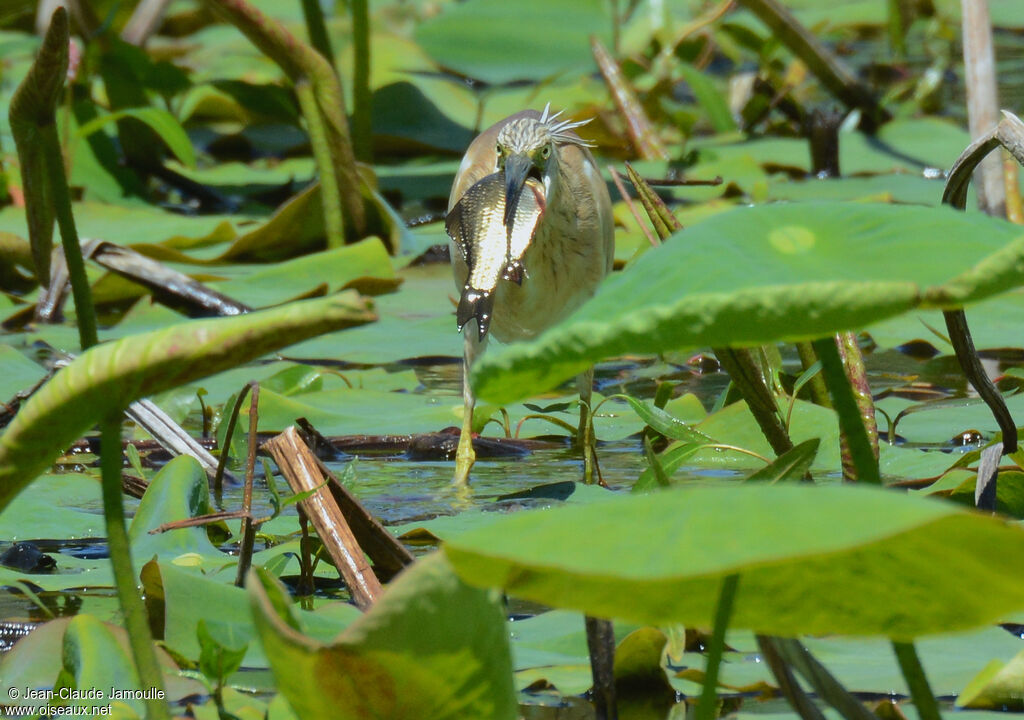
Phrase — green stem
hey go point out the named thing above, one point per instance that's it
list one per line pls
(303, 64)
(821, 680)
(362, 119)
(139, 637)
(333, 219)
(917, 681)
(709, 693)
(248, 531)
(853, 365)
(865, 462)
(788, 684)
(218, 477)
(749, 379)
(819, 394)
(317, 30)
(69, 237)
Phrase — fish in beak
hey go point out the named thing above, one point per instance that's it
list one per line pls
(492, 241)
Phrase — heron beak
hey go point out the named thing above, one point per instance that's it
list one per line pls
(517, 168)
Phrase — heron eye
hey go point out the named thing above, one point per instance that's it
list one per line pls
(545, 152)
(499, 150)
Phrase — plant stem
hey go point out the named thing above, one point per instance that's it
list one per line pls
(248, 531)
(316, 29)
(709, 693)
(749, 379)
(601, 645)
(821, 680)
(218, 478)
(139, 637)
(917, 681)
(788, 684)
(850, 422)
(303, 64)
(333, 220)
(84, 309)
(819, 394)
(362, 118)
(853, 364)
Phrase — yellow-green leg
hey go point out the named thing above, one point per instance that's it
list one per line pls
(465, 456)
(585, 438)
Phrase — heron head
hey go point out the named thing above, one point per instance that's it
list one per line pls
(529, 146)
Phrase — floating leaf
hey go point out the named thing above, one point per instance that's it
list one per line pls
(431, 647)
(811, 560)
(791, 465)
(108, 377)
(768, 273)
(178, 492)
(999, 686)
(476, 39)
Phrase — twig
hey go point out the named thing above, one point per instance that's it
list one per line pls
(683, 182)
(299, 467)
(199, 521)
(982, 101)
(144, 21)
(617, 179)
(641, 133)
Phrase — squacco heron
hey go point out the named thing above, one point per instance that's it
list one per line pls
(532, 238)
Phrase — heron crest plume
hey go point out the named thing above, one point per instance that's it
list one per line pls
(525, 134)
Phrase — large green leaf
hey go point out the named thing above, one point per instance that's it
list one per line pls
(108, 377)
(431, 647)
(178, 492)
(93, 658)
(836, 559)
(81, 652)
(999, 686)
(498, 42)
(189, 596)
(769, 273)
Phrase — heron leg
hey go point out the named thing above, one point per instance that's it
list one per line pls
(465, 456)
(585, 438)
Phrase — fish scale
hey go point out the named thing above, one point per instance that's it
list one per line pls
(491, 251)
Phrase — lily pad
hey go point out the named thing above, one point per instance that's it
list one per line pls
(769, 273)
(798, 552)
(430, 647)
(556, 38)
(108, 377)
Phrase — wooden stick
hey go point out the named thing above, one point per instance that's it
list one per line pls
(982, 101)
(299, 468)
(642, 134)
